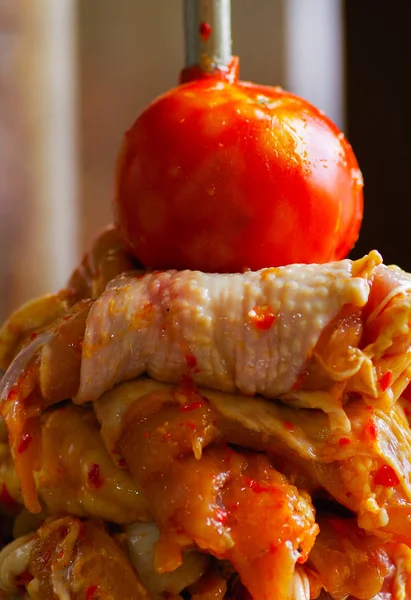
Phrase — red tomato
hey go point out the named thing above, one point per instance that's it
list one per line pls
(220, 176)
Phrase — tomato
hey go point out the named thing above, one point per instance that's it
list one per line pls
(220, 176)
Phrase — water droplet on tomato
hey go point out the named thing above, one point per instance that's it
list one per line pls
(357, 177)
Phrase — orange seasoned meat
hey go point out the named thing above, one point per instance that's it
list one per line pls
(80, 559)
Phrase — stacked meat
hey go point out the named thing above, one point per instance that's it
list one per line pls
(189, 435)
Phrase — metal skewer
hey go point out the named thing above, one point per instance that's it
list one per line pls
(207, 26)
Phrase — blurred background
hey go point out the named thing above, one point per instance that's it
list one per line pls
(75, 74)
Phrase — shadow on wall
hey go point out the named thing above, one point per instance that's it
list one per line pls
(379, 125)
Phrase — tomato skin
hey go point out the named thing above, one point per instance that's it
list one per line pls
(220, 177)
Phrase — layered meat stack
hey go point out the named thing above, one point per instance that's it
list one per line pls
(180, 434)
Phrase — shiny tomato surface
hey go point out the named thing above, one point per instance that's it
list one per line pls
(220, 176)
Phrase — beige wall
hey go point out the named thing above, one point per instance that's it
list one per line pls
(38, 153)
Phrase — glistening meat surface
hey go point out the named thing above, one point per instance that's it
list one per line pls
(251, 332)
(368, 472)
(227, 478)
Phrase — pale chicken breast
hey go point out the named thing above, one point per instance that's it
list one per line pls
(250, 332)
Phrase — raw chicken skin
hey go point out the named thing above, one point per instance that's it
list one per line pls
(250, 332)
